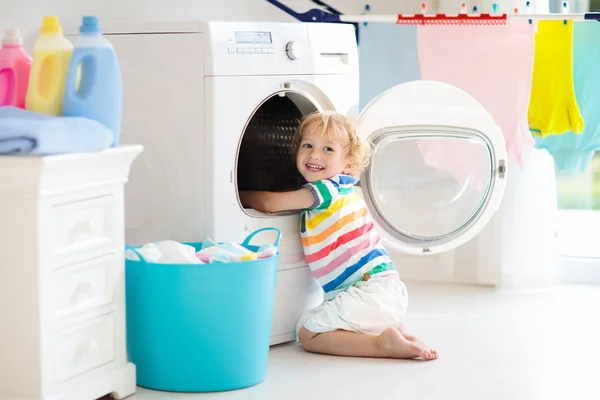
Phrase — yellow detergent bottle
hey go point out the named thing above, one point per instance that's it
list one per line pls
(51, 56)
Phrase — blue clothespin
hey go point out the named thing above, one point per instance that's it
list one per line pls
(367, 9)
(494, 8)
(529, 11)
(565, 10)
(474, 9)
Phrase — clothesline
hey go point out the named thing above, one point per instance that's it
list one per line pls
(438, 19)
(330, 14)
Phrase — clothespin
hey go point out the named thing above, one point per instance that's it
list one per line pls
(494, 8)
(474, 9)
(424, 8)
(463, 8)
(528, 10)
(565, 10)
(366, 11)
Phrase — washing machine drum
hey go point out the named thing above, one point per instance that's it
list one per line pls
(266, 158)
(437, 172)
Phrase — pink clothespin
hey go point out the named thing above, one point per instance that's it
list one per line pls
(424, 8)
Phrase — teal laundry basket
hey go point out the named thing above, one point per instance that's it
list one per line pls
(200, 327)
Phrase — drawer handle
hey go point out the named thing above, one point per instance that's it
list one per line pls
(84, 349)
(83, 291)
(81, 230)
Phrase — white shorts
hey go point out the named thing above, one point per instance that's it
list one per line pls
(368, 307)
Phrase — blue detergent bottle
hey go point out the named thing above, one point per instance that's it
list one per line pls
(93, 88)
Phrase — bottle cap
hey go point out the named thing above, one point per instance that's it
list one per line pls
(12, 37)
(90, 24)
(51, 25)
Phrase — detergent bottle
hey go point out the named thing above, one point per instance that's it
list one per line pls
(98, 94)
(51, 56)
(15, 66)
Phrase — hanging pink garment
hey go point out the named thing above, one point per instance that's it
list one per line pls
(468, 161)
(494, 64)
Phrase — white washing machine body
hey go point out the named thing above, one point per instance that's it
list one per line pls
(323, 74)
(215, 105)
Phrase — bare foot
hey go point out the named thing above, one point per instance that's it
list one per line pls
(393, 345)
(412, 338)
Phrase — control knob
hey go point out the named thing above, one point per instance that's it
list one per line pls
(293, 50)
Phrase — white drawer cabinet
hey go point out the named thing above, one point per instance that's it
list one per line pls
(62, 289)
(84, 286)
(83, 348)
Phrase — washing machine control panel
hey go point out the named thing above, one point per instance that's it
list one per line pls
(251, 42)
(250, 50)
(256, 42)
(279, 48)
(257, 48)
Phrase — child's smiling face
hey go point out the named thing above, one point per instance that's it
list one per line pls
(320, 157)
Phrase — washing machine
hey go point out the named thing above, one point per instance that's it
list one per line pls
(216, 104)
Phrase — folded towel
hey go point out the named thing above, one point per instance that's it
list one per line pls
(27, 132)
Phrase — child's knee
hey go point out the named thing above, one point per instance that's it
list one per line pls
(306, 338)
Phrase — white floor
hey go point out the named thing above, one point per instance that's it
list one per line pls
(539, 344)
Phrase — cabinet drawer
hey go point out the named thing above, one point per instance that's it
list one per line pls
(83, 225)
(83, 348)
(84, 286)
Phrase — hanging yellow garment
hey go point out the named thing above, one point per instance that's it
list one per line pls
(553, 108)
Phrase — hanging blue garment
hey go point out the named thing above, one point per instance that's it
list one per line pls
(387, 56)
(574, 152)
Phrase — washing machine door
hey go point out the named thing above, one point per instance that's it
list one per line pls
(438, 166)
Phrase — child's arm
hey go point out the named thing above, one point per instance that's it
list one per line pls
(278, 201)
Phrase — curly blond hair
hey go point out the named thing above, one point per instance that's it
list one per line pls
(337, 127)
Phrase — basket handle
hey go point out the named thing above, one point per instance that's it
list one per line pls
(246, 241)
(142, 259)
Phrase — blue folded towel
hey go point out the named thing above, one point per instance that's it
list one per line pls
(27, 132)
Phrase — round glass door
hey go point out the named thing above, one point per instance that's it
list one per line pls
(428, 186)
(438, 167)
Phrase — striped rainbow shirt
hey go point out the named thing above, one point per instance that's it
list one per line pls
(338, 236)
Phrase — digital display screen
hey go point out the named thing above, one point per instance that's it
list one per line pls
(253, 37)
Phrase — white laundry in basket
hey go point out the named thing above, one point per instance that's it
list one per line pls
(165, 252)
